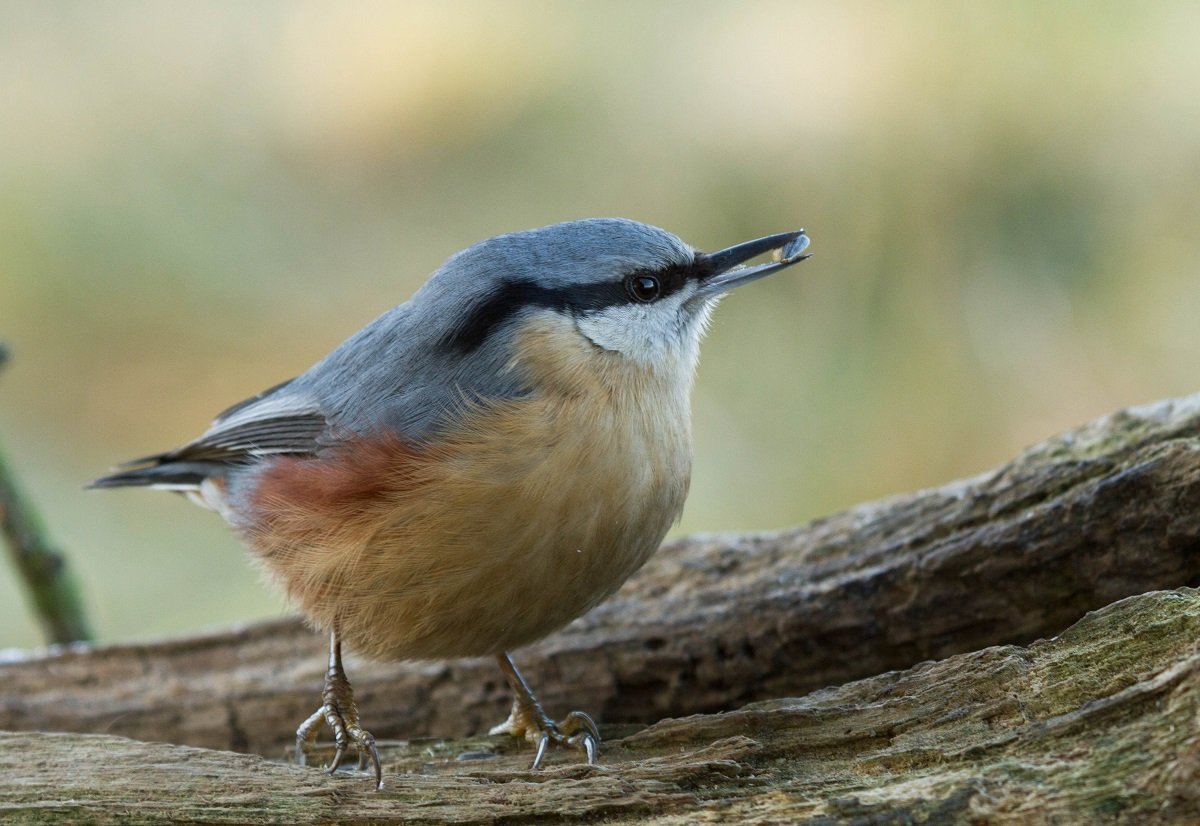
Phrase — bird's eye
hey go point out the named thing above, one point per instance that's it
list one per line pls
(643, 288)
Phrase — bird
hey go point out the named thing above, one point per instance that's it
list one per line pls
(479, 465)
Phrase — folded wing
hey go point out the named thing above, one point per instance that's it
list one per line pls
(274, 423)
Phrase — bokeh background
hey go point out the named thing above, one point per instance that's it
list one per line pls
(199, 200)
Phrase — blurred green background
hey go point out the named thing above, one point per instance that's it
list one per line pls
(199, 200)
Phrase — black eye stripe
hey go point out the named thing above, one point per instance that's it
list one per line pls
(513, 296)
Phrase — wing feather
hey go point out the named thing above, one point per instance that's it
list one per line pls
(297, 434)
(270, 424)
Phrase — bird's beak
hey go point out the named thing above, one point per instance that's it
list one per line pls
(724, 270)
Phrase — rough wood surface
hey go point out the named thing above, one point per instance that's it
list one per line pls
(1099, 725)
(1106, 511)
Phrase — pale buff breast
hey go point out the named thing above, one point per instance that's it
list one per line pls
(527, 515)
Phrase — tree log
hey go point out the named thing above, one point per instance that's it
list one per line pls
(1106, 511)
(1099, 725)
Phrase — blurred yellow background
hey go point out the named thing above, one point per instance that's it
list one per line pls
(199, 200)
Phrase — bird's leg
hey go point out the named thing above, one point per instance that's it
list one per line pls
(530, 721)
(339, 711)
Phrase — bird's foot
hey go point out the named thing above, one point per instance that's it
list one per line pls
(576, 730)
(341, 714)
(529, 721)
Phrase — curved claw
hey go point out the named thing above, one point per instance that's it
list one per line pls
(344, 734)
(577, 720)
(577, 730)
(367, 751)
(581, 729)
(543, 741)
(366, 744)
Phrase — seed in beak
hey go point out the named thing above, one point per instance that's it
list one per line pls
(792, 250)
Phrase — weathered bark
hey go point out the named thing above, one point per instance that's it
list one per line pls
(1106, 511)
(1098, 725)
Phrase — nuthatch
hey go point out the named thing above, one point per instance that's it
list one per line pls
(481, 464)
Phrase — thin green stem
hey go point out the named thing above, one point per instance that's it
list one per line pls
(42, 568)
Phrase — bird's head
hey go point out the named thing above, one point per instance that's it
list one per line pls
(623, 290)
